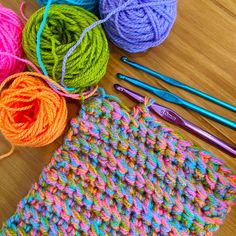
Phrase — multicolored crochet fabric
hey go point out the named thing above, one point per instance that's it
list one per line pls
(125, 174)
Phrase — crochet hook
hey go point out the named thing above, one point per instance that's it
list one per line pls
(172, 117)
(179, 84)
(170, 97)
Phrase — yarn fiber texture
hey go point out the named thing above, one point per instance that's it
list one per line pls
(31, 114)
(122, 173)
(10, 42)
(89, 5)
(87, 64)
(143, 24)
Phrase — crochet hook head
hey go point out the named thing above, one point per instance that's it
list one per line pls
(124, 59)
(133, 95)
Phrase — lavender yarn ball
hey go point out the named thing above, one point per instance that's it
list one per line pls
(143, 24)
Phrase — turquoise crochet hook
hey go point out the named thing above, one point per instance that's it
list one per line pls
(170, 97)
(179, 84)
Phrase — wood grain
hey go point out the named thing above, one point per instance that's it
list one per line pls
(200, 51)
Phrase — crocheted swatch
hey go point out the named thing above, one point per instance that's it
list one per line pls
(125, 174)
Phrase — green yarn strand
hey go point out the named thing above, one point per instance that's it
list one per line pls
(87, 64)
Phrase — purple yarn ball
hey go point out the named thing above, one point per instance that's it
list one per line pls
(143, 24)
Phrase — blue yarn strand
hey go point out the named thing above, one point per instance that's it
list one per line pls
(39, 33)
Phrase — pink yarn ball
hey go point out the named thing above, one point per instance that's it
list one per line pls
(11, 28)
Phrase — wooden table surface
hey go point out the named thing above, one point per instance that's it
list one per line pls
(200, 51)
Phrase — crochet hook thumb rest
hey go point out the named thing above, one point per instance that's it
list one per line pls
(173, 98)
(174, 118)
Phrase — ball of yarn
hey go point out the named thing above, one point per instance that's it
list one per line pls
(87, 64)
(10, 42)
(141, 25)
(31, 114)
(89, 5)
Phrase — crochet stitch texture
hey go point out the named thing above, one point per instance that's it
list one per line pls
(125, 174)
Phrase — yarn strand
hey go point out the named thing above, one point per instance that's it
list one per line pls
(87, 64)
(9, 153)
(22, 8)
(153, 30)
(22, 60)
(70, 51)
(42, 25)
(106, 18)
(51, 83)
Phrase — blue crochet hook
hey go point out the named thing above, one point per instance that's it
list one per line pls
(179, 84)
(170, 97)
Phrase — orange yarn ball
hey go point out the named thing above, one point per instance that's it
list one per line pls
(31, 113)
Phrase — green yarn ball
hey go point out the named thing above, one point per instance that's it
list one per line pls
(87, 64)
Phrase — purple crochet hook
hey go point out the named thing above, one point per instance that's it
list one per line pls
(172, 117)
